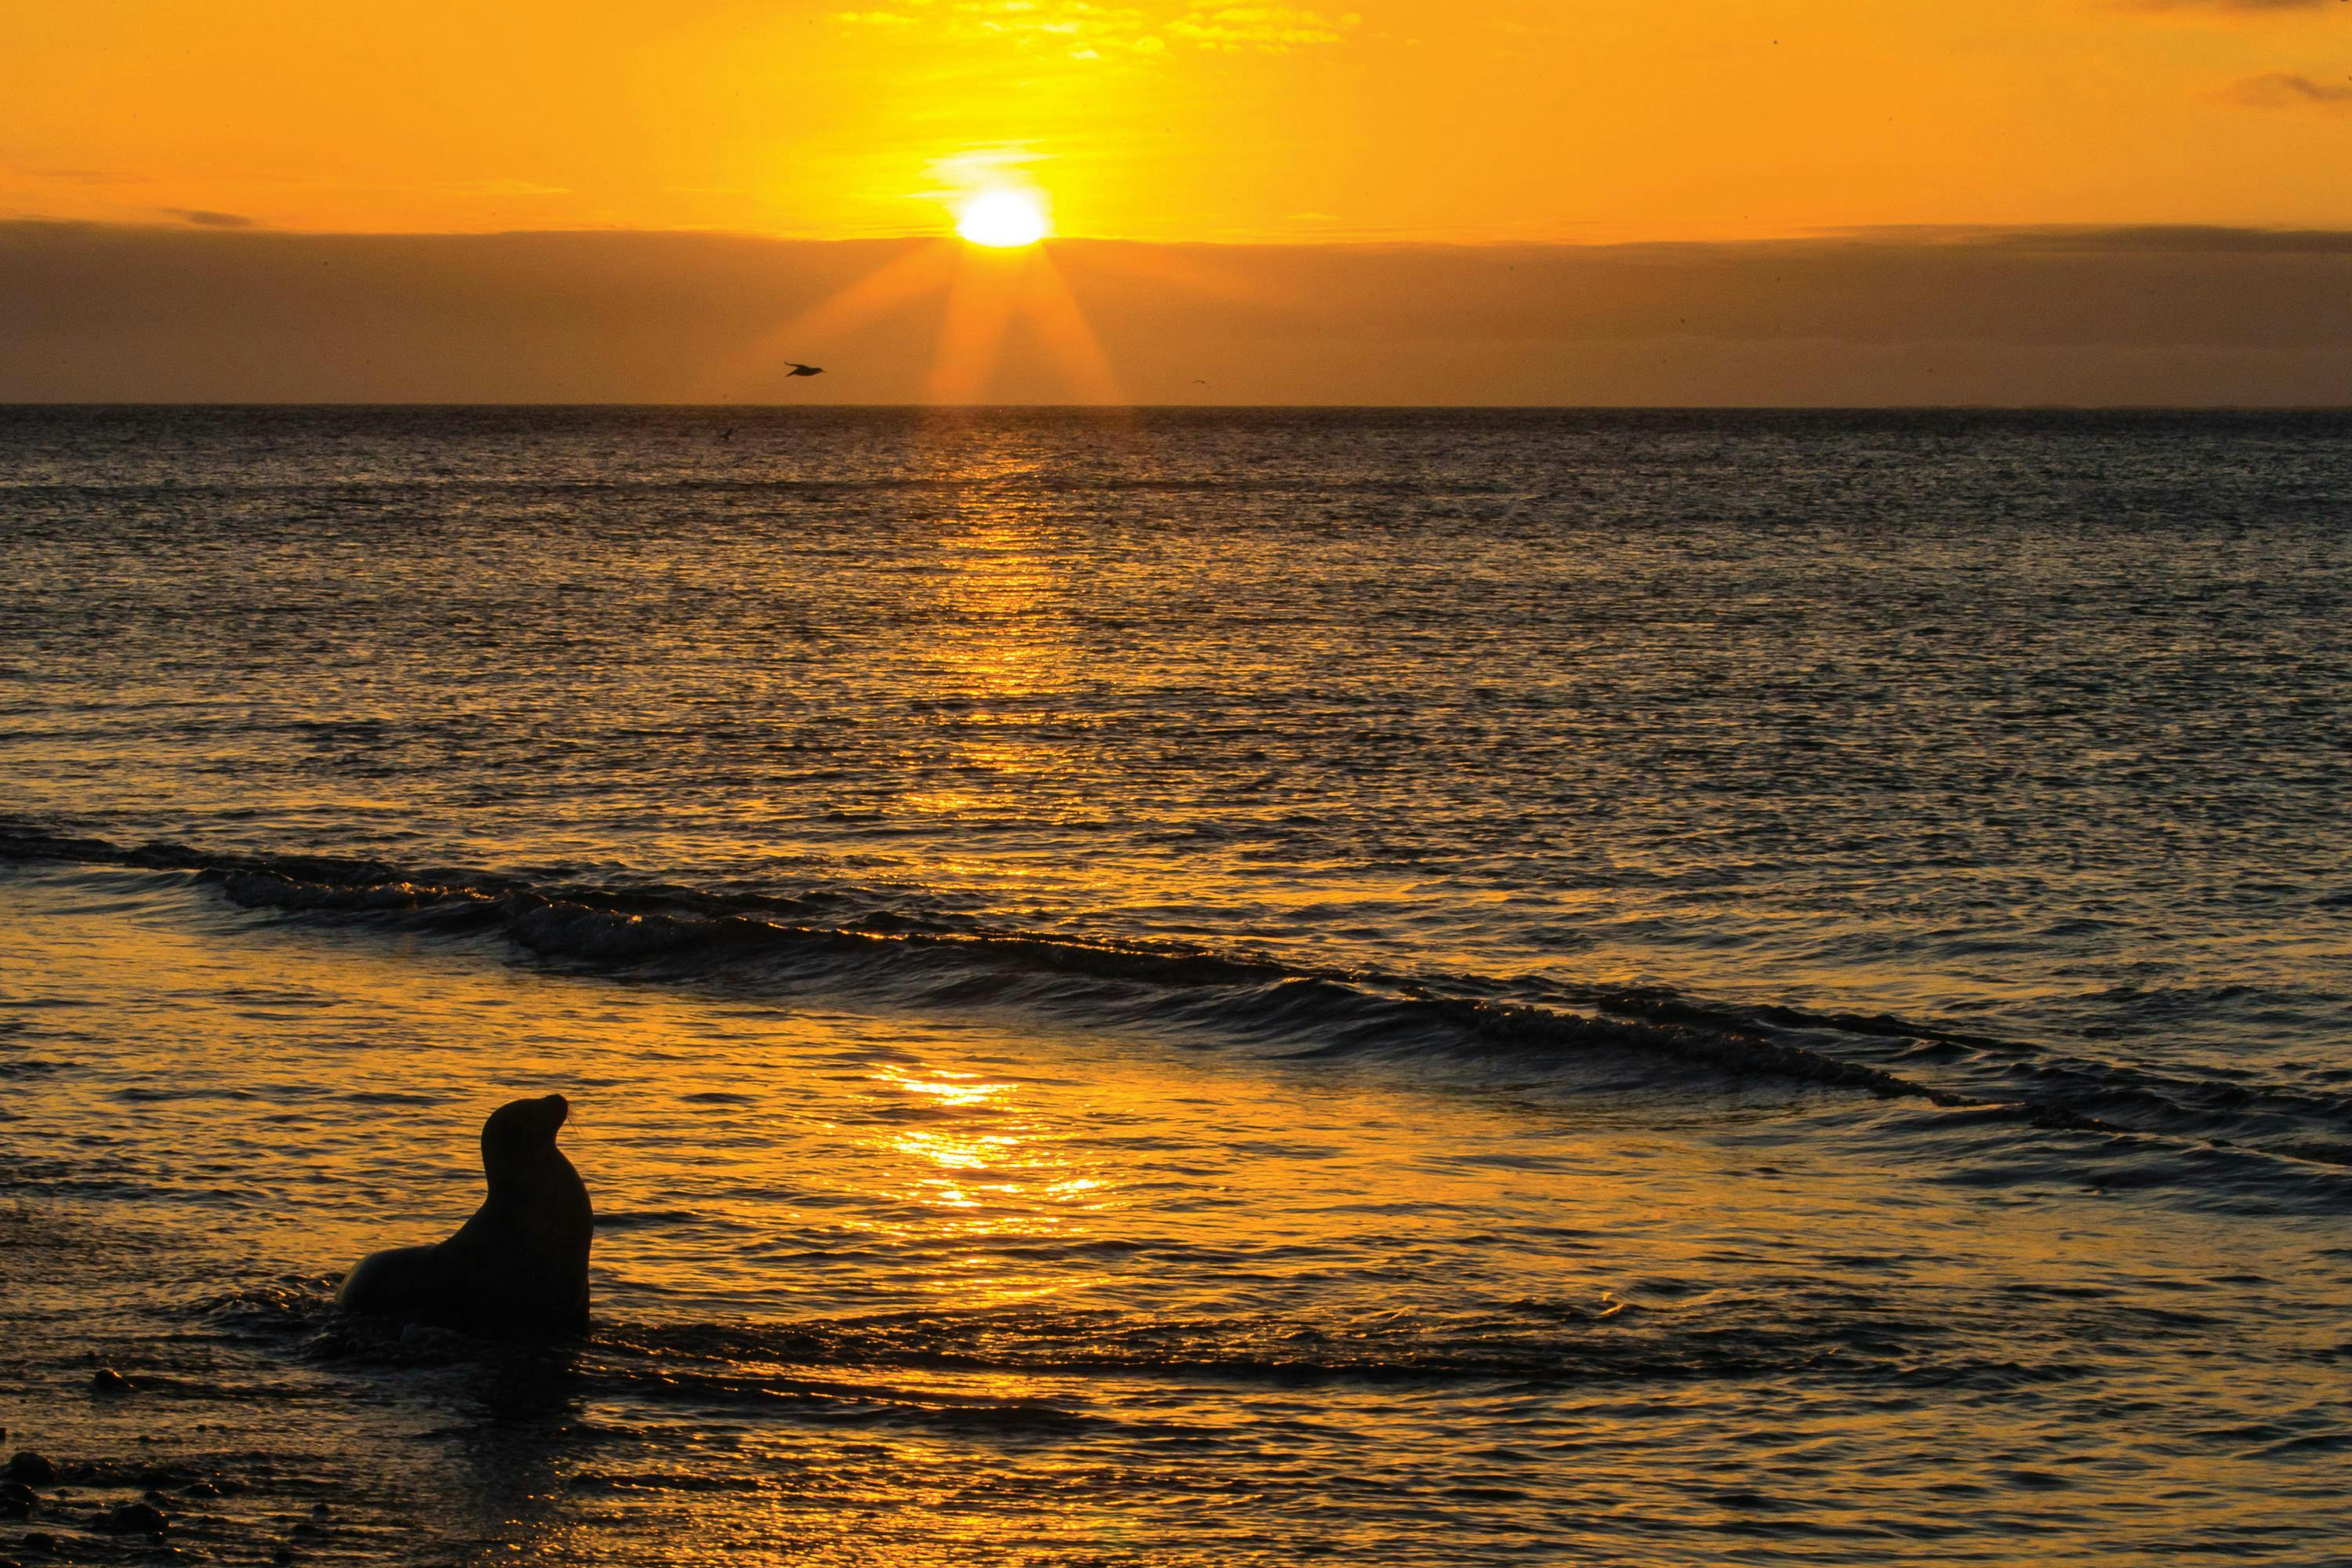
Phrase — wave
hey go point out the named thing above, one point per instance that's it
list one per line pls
(939, 958)
(937, 1364)
(1597, 1038)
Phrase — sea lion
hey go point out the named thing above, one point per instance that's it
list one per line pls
(518, 1268)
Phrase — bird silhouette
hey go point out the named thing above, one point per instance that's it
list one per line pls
(800, 368)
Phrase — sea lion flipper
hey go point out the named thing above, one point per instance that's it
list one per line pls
(389, 1284)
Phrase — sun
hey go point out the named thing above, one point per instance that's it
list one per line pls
(1005, 220)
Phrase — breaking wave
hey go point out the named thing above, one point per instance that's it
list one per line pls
(1632, 1039)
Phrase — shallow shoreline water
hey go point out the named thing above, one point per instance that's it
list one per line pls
(943, 1289)
(1239, 989)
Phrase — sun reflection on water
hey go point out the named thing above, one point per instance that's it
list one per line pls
(976, 1182)
(958, 1090)
(998, 674)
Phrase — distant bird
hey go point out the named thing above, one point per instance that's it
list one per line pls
(800, 368)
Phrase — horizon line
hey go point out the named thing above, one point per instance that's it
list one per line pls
(357, 405)
(1917, 233)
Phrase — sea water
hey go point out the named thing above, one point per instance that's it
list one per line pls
(1187, 987)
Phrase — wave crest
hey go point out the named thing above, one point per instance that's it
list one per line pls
(1602, 1038)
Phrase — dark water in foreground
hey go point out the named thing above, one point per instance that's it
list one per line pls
(1237, 988)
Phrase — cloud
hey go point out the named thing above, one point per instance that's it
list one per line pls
(506, 188)
(1271, 29)
(1085, 30)
(203, 218)
(2237, 7)
(982, 169)
(80, 176)
(2102, 240)
(2185, 316)
(2286, 90)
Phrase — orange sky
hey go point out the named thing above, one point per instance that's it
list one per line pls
(1182, 120)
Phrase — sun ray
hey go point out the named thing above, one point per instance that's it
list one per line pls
(993, 276)
(923, 271)
(979, 308)
(1069, 334)
(1183, 267)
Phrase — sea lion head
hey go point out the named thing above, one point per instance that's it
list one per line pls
(520, 1135)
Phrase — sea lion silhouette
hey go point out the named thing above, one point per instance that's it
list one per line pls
(518, 1268)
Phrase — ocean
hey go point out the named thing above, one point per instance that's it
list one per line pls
(1186, 987)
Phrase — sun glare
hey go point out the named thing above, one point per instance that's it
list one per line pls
(1006, 220)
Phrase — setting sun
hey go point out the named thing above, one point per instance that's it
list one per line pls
(1006, 220)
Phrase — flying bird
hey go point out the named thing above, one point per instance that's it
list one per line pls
(800, 368)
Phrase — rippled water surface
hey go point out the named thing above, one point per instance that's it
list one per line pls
(1186, 988)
